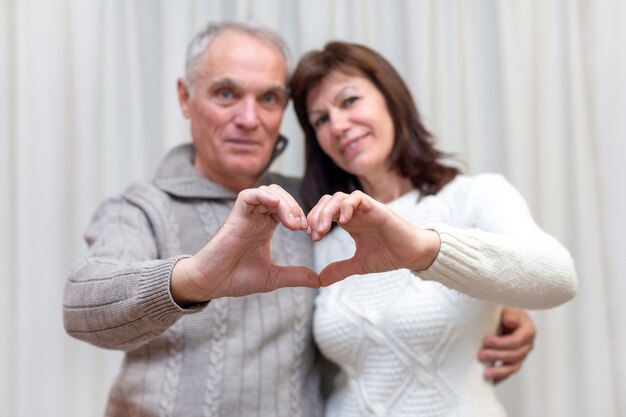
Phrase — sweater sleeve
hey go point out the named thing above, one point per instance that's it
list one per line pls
(118, 295)
(504, 257)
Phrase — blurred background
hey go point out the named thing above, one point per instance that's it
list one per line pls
(532, 89)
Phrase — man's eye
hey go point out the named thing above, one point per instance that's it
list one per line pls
(269, 99)
(226, 94)
(273, 99)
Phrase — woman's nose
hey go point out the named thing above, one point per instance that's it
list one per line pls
(339, 123)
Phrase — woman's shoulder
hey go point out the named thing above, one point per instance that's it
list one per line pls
(466, 196)
(485, 178)
(465, 185)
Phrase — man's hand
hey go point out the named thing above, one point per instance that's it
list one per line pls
(384, 241)
(507, 351)
(237, 260)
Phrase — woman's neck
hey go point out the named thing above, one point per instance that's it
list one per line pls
(386, 188)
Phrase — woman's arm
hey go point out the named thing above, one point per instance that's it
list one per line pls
(504, 258)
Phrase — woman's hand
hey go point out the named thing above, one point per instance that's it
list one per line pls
(384, 241)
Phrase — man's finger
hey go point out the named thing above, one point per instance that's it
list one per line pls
(279, 205)
(509, 342)
(499, 373)
(520, 336)
(508, 356)
(511, 317)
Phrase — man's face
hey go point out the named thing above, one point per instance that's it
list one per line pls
(237, 104)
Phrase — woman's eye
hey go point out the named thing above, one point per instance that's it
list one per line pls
(349, 101)
(320, 121)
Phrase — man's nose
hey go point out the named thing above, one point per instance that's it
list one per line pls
(247, 116)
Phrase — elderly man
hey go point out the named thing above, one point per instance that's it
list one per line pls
(227, 330)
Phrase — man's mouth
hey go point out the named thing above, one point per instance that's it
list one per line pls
(242, 142)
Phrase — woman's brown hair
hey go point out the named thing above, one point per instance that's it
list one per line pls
(413, 152)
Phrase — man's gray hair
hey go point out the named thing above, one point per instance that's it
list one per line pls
(199, 44)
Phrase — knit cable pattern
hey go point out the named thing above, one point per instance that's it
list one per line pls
(217, 350)
(220, 310)
(166, 227)
(301, 323)
(173, 369)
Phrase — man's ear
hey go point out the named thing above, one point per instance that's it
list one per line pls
(183, 97)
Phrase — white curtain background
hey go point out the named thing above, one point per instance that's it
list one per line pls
(533, 89)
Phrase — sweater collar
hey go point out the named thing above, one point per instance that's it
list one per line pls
(177, 176)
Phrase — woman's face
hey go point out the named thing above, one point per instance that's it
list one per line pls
(352, 124)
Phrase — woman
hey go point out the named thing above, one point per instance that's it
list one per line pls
(405, 344)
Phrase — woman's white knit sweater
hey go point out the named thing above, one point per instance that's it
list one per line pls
(407, 343)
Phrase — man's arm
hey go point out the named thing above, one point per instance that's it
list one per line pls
(121, 296)
(117, 295)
